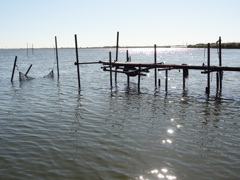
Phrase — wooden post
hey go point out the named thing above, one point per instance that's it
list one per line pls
(217, 81)
(110, 60)
(56, 48)
(128, 77)
(166, 80)
(116, 56)
(220, 62)
(27, 49)
(159, 82)
(139, 70)
(155, 61)
(184, 80)
(32, 50)
(208, 71)
(28, 69)
(14, 65)
(78, 70)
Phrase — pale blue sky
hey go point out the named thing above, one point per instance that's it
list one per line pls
(96, 22)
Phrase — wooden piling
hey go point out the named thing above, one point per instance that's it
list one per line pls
(208, 70)
(14, 65)
(28, 70)
(56, 49)
(217, 81)
(32, 50)
(117, 45)
(78, 70)
(127, 57)
(110, 60)
(166, 80)
(184, 81)
(155, 62)
(139, 74)
(220, 61)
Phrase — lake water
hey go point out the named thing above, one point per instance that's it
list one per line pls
(50, 130)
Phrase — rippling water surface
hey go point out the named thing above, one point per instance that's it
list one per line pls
(50, 130)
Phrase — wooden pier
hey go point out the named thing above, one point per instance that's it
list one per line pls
(141, 68)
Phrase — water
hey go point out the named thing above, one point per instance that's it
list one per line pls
(49, 130)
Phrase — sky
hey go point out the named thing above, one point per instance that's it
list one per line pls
(96, 22)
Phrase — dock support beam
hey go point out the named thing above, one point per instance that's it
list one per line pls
(116, 56)
(110, 60)
(166, 80)
(128, 77)
(78, 70)
(208, 70)
(139, 71)
(155, 62)
(14, 65)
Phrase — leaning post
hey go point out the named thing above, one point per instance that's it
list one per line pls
(28, 70)
(78, 70)
(14, 65)
(56, 49)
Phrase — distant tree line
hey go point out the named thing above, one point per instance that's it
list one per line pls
(229, 45)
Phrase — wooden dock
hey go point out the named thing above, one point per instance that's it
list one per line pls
(170, 66)
(142, 68)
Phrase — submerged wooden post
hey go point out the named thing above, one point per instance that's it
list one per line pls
(28, 69)
(208, 70)
(155, 62)
(184, 82)
(14, 65)
(185, 76)
(78, 70)
(116, 56)
(166, 80)
(110, 60)
(56, 48)
(139, 70)
(217, 81)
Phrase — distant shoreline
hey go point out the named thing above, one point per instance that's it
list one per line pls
(229, 45)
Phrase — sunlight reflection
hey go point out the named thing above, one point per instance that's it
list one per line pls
(167, 141)
(164, 170)
(179, 126)
(160, 174)
(170, 131)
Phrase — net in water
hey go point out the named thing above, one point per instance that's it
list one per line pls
(50, 75)
(23, 77)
